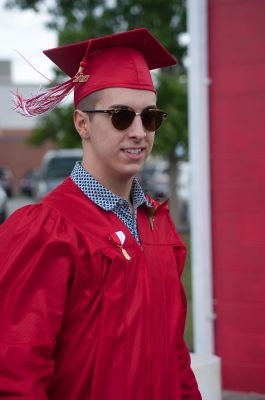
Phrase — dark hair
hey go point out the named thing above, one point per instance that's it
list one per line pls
(89, 102)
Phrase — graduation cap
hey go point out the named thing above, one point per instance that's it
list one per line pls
(120, 60)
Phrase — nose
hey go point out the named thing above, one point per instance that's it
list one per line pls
(136, 130)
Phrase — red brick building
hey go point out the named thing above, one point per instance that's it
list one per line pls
(15, 152)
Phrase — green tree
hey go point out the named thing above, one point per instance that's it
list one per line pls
(173, 135)
(58, 126)
(77, 20)
(81, 19)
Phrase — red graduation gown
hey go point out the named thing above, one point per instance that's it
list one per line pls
(78, 321)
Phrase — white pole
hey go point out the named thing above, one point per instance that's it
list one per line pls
(200, 178)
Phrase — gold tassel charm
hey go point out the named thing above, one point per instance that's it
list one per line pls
(80, 77)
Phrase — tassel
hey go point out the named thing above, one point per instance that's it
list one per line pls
(47, 99)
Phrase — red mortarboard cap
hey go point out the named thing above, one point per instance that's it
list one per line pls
(119, 60)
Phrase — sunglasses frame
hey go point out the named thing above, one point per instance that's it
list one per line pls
(113, 111)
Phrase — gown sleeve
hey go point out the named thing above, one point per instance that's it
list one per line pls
(35, 273)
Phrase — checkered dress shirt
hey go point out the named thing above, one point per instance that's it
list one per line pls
(109, 201)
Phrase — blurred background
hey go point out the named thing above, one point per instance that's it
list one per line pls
(208, 159)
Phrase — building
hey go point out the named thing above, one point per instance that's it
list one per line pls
(15, 152)
(227, 126)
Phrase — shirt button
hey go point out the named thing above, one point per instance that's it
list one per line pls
(121, 202)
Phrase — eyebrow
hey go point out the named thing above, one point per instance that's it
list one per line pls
(126, 106)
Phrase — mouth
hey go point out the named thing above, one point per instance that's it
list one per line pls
(134, 152)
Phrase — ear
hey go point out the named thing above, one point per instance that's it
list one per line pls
(81, 122)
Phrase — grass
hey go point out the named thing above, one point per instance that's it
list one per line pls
(186, 279)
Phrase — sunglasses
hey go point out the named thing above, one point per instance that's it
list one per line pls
(122, 117)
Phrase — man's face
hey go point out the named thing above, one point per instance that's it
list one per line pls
(112, 154)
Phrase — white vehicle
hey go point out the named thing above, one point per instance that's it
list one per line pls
(56, 166)
(155, 180)
(3, 205)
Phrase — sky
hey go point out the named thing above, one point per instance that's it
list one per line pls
(25, 32)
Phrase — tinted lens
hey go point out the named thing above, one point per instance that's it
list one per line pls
(152, 119)
(122, 119)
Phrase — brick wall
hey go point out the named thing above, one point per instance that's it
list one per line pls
(19, 156)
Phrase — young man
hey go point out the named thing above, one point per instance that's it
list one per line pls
(92, 306)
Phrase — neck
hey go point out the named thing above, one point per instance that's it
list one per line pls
(120, 186)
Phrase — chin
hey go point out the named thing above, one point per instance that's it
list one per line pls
(129, 173)
(133, 170)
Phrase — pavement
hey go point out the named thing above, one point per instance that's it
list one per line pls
(242, 396)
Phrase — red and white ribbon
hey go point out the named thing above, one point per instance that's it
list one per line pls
(119, 238)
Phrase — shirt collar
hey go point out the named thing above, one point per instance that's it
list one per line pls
(102, 196)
